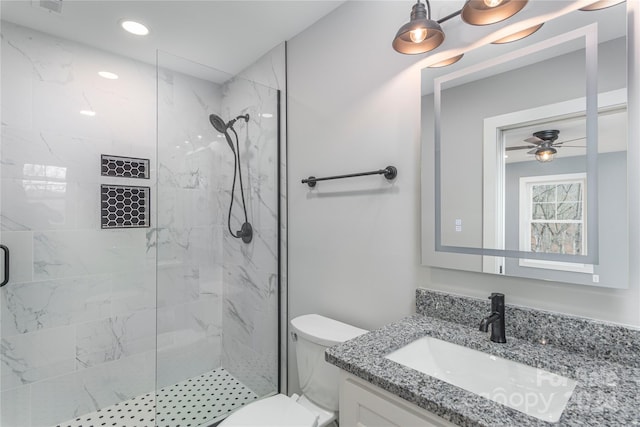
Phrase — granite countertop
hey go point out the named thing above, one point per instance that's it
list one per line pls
(607, 392)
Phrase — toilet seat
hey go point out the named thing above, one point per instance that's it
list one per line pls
(274, 411)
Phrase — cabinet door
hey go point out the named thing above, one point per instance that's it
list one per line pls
(365, 405)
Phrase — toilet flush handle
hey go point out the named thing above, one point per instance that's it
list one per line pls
(294, 336)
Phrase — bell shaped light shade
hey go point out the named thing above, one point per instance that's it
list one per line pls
(447, 62)
(421, 34)
(486, 12)
(545, 154)
(602, 4)
(519, 35)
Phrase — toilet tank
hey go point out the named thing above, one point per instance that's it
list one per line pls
(319, 379)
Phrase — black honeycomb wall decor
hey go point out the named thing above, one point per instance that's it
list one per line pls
(124, 206)
(124, 167)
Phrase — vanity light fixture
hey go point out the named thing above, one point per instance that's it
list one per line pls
(519, 35)
(545, 154)
(601, 4)
(447, 62)
(487, 12)
(422, 34)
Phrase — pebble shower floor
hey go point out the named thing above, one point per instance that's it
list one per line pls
(198, 401)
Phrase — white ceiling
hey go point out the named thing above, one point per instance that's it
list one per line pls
(225, 35)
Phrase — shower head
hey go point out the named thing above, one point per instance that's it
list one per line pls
(221, 126)
(218, 123)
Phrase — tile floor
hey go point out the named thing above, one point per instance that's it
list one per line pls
(198, 401)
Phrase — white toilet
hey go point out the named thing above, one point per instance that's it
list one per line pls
(318, 405)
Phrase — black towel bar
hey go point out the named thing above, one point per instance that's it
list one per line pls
(390, 172)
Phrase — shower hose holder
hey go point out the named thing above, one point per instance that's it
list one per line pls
(246, 232)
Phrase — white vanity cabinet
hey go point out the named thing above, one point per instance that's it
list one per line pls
(363, 404)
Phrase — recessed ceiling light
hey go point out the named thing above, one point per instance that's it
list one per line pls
(135, 28)
(88, 113)
(267, 115)
(107, 75)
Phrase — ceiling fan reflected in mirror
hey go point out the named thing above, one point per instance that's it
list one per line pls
(543, 144)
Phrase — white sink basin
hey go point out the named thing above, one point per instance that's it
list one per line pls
(534, 391)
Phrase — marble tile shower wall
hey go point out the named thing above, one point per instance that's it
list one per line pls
(78, 317)
(191, 217)
(78, 320)
(250, 306)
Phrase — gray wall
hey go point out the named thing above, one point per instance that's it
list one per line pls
(612, 216)
(354, 104)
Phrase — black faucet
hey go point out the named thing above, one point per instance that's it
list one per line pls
(495, 319)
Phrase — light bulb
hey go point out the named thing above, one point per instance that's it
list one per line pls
(492, 3)
(418, 36)
(544, 156)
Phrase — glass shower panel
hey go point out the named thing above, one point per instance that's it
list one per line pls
(217, 296)
(77, 316)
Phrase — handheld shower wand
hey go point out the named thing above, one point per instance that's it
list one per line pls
(246, 231)
(221, 127)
